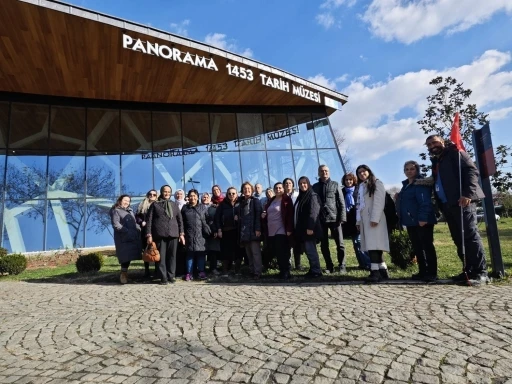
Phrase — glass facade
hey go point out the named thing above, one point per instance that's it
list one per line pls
(62, 167)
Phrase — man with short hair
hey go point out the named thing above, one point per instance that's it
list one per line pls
(332, 215)
(258, 191)
(450, 180)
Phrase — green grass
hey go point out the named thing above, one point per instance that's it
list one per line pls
(448, 263)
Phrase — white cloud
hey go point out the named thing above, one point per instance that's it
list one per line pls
(320, 79)
(220, 40)
(380, 118)
(500, 114)
(409, 21)
(326, 20)
(332, 4)
(181, 27)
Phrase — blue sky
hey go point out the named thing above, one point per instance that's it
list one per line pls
(381, 53)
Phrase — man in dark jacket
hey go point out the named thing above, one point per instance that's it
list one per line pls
(332, 215)
(453, 196)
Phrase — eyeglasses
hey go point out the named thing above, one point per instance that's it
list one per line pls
(152, 194)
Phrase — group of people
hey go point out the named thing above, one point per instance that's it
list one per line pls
(260, 227)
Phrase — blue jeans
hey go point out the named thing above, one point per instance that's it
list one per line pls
(312, 254)
(362, 257)
(200, 261)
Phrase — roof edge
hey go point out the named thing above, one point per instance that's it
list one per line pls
(164, 35)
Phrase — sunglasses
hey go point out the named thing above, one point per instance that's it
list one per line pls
(232, 193)
(152, 194)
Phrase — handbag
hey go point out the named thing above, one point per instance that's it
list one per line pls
(151, 253)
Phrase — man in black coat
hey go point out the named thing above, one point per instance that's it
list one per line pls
(448, 188)
(332, 215)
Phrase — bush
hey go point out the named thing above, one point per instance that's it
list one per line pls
(12, 264)
(91, 262)
(3, 252)
(400, 249)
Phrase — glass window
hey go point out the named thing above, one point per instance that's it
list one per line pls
(323, 132)
(166, 131)
(226, 170)
(24, 225)
(223, 132)
(250, 131)
(198, 171)
(29, 126)
(169, 170)
(98, 227)
(103, 176)
(103, 130)
(65, 224)
(280, 165)
(66, 175)
(26, 176)
(136, 174)
(254, 167)
(196, 131)
(135, 131)
(4, 123)
(306, 164)
(331, 158)
(303, 136)
(67, 128)
(2, 184)
(277, 133)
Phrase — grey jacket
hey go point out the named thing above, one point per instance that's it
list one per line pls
(126, 234)
(332, 208)
(193, 218)
(249, 213)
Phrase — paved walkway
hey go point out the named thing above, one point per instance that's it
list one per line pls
(193, 333)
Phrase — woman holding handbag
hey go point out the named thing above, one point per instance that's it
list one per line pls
(141, 217)
(196, 229)
(165, 226)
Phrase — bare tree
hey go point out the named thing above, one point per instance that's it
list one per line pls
(339, 139)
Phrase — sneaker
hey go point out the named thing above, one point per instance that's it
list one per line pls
(374, 277)
(460, 277)
(123, 278)
(480, 279)
(202, 276)
(164, 282)
(188, 277)
(342, 270)
(313, 275)
(384, 275)
(429, 278)
(172, 280)
(417, 276)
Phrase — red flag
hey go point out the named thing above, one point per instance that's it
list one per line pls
(455, 134)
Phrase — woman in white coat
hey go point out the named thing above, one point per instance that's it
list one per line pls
(371, 222)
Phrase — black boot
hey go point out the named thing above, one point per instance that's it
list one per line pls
(384, 275)
(374, 277)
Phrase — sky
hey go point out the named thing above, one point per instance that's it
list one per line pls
(381, 53)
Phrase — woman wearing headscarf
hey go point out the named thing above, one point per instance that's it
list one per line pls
(212, 242)
(308, 229)
(226, 223)
(350, 190)
(126, 235)
(179, 198)
(416, 213)
(278, 227)
(141, 217)
(165, 227)
(371, 222)
(194, 215)
(250, 228)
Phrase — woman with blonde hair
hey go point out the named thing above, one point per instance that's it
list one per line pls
(141, 218)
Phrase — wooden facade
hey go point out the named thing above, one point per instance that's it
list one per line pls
(45, 51)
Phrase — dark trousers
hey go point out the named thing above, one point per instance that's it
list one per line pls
(338, 239)
(125, 266)
(475, 257)
(230, 248)
(422, 239)
(280, 249)
(296, 255)
(213, 256)
(376, 257)
(167, 265)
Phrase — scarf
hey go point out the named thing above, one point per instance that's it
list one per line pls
(349, 198)
(167, 204)
(360, 200)
(217, 199)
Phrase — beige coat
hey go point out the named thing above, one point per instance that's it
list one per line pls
(374, 238)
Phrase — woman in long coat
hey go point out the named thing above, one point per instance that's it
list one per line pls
(141, 218)
(371, 222)
(126, 235)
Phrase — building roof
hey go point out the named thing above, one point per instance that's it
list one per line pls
(52, 48)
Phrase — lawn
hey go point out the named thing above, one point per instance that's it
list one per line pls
(448, 263)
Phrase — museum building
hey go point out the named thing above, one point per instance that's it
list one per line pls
(92, 106)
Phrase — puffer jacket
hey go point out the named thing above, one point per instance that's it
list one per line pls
(193, 217)
(332, 202)
(249, 216)
(225, 216)
(414, 203)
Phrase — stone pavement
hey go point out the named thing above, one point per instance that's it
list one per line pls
(290, 333)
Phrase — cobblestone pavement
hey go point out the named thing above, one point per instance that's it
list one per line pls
(193, 333)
